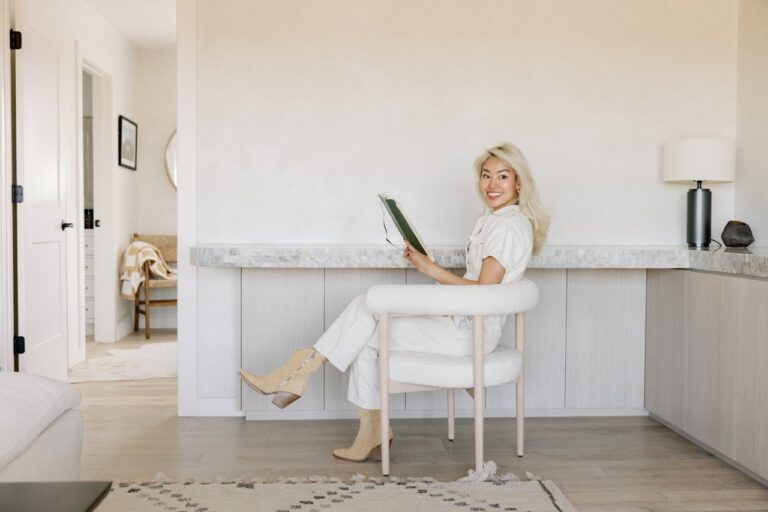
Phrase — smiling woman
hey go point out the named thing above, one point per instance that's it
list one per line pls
(498, 251)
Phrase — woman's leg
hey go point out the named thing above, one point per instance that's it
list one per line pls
(431, 334)
(368, 439)
(427, 334)
(340, 344)
(287, 381)
(348, 334)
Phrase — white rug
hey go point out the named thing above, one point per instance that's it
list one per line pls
(150, 361)
(321, 494)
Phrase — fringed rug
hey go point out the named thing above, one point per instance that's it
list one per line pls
(335, 495)
(149, 361)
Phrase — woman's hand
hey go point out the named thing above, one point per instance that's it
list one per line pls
(492, 271)
(421, 262)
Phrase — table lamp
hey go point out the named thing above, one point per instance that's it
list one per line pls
(699, 160)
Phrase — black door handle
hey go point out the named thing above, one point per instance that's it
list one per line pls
(97, 223)
(65, 225)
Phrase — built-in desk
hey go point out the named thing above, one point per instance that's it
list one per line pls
(707, 361)
(618, 331)
(747, 262)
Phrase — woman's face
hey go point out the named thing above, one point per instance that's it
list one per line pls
(498, 183)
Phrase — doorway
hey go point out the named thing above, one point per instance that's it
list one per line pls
(94, 265)
(110, 351)
(88, 247)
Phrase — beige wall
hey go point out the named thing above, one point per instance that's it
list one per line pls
(155, 196)
(752, 159)
(292, 117)
(305, 114)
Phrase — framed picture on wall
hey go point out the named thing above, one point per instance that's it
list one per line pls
(128, 137)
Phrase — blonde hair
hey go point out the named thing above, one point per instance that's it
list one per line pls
(527, 198)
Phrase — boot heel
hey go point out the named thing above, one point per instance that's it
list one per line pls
(376, 452)
(283, 399)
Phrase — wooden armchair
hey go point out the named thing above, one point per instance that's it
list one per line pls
(166, 244)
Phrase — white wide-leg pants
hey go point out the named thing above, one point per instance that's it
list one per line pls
(353, 339)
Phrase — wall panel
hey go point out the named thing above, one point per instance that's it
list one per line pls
(605, 339)
(282, 312)
(544, 347)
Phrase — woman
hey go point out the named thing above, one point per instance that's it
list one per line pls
(497, 251)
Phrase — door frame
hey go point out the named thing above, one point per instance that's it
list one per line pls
(6, 179)
(105, 282)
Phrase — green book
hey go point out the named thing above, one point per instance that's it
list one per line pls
(404, 225)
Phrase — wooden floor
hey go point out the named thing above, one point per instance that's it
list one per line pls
(134, 340)
(601, 464)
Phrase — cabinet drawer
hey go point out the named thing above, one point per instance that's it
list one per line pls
(89, 267)
(88, 244)
(89, 289)
(90, 310)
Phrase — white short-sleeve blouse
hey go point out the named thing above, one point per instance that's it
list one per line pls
(507, 236)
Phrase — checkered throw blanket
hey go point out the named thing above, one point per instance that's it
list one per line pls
(131, 275)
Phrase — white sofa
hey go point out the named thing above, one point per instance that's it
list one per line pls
(41, 434)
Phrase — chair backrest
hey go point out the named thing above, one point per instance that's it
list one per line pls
(166, 244)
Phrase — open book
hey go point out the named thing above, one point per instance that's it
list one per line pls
(406, 228)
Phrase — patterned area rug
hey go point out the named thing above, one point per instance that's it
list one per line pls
(335, 495)
(149, 361)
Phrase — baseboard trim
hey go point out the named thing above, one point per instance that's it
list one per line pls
(274, 415)
(123, 329)
(210, 407)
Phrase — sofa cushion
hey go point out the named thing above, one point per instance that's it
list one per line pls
(28, 404)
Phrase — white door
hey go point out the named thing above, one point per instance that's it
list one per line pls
(42, 172)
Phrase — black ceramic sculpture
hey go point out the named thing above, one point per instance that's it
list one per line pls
(737, 234)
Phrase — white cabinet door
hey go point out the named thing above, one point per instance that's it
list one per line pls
(605, 343)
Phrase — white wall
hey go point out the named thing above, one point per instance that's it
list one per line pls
(752, 154)
(305, 114)
(292, 119)
(155, 196)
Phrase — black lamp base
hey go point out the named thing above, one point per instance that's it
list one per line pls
(699, 231)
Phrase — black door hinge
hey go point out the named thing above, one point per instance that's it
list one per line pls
(17, 194)
(15, 40)
(18, 345)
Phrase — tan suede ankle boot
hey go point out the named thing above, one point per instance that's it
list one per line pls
(368, 440)
(302, 361)
(292, 387)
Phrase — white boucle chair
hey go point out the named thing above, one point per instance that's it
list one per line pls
(401, 372)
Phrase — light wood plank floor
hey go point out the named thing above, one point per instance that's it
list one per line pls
(601, 464)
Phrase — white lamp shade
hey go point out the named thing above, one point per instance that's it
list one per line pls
(712, 160)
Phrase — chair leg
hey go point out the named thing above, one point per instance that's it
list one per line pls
(520, 386)
(136, 309)
(479, 428)
(520, 415)
(479, 385)
(147, 309)
(384, 391)
(451, 415)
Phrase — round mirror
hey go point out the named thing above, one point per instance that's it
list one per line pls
(170, 159)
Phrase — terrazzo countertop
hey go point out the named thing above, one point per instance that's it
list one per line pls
(748, 262)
